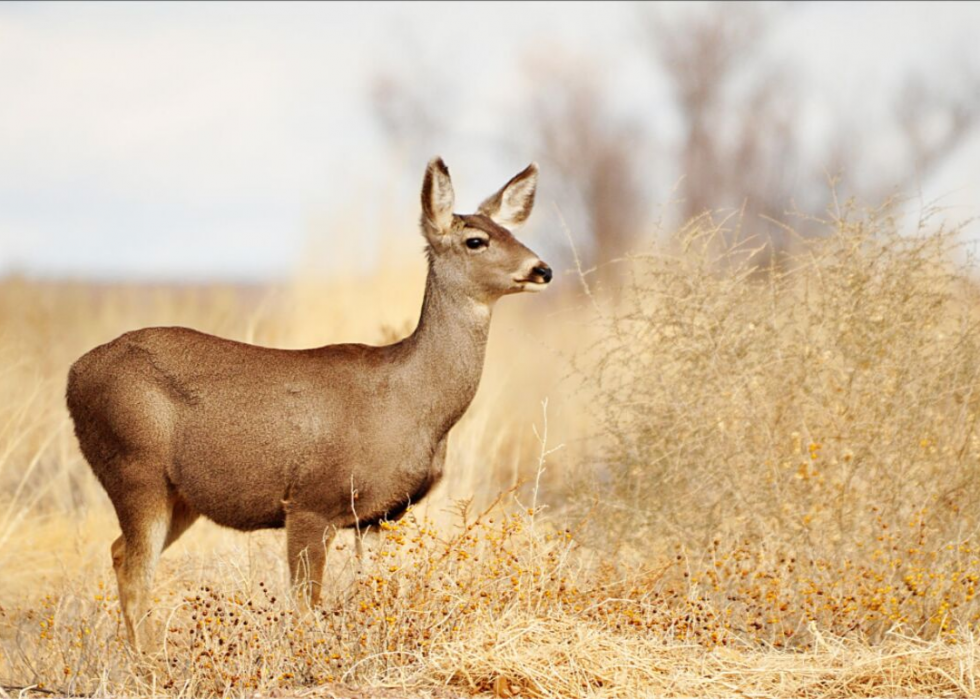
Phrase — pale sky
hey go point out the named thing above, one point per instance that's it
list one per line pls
(207, 141)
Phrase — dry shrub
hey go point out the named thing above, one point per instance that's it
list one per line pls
(505, 603)
(801, 404)
(801, 439)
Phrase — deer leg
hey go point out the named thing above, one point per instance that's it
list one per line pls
(118, 556)
(182, 516)
(135, 554)
(438, 462)
(308, 535)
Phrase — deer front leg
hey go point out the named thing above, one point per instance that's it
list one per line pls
(438, 461)
(308, 535)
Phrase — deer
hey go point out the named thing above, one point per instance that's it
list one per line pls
(177, 424)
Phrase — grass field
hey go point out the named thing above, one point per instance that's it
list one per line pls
(702, 478)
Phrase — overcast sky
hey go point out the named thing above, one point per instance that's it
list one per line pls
(205, 141)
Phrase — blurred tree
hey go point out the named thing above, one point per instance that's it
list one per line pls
(410, 111)
(745, 139)
(744, 142)
(936, 120)
(594, 154)
(591, 156)
(406, 115)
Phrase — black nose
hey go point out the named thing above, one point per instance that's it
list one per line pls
(543, 271)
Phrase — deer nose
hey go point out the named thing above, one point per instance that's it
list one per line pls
(542, 270)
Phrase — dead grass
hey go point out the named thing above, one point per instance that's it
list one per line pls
(753, 482)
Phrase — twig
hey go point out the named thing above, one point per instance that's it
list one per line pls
(39, 690)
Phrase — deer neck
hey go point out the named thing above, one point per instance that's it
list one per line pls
(444, 356)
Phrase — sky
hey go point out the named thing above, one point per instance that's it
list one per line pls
(187, 141)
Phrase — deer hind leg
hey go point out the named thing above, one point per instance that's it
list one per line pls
(134, 574)
(182, 516)
(308, 535)
(145, 524)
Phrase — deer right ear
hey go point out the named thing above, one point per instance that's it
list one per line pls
(511, 206)
(437, 199)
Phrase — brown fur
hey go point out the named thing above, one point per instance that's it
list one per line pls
(177, 423)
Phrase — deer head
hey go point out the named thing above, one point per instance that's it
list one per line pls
(476, 254)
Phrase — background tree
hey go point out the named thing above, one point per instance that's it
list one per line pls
(743, 138)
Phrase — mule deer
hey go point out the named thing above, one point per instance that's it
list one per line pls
(177, 424)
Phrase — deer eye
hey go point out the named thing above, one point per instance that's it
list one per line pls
(476, 243)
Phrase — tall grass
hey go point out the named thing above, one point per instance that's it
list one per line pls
(748, 480)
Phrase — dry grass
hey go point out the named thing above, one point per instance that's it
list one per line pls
(767, 487)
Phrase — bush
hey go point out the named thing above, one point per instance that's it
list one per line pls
(803, 403)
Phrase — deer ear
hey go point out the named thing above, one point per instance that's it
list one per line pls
(437, 199)
(511, 206)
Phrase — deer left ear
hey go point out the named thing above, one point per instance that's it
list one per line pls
(511, 206)
(437, 199)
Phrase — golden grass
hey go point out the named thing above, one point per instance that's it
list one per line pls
(751, 481)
